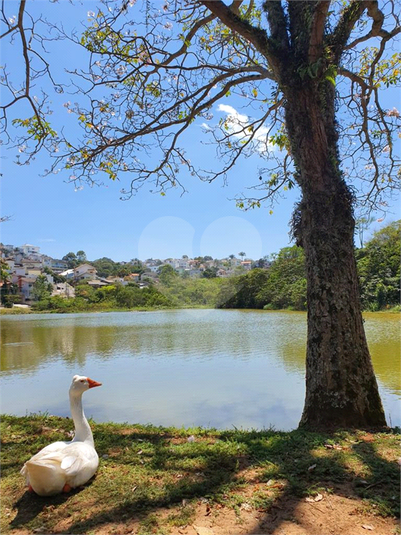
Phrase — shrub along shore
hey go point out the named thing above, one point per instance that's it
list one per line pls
(168, 480)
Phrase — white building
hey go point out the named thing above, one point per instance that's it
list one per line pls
(63, 289)
(54, 264)
(28, 249)
(68, 273)
(85, 272)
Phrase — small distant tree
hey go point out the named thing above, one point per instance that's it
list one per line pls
(136, 266)
(285, 286)
(261, 263)
(130, 297)
(56, 277)
(210, 273)
(11, 298)
(167, 274)
(4, 272)
(105, 266)
(362, 224)
(41, 289)
(81, 257)
(123, 270)
(242, 254)
(242, 291)
(8, 290)
(71, 259)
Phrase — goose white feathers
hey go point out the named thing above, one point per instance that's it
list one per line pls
(62, 466)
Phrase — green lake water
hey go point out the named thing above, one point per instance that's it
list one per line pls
(219, 368)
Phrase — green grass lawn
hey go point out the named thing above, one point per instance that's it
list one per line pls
(156, 478)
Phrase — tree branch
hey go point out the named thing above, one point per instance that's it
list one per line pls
(300, 15)
(339, 37)
(278, 26)
(317, 31)
(377, 25)
(256, 36)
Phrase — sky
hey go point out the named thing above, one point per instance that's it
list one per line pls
(49, 212)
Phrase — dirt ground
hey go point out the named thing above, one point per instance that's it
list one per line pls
(333, 514)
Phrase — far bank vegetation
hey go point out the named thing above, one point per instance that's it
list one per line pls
(281, 286)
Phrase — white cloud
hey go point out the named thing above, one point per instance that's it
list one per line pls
(237, 124)
(234, 115)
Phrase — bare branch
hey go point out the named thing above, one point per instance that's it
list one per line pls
(38, 131)
(256, 36)
(377, 26)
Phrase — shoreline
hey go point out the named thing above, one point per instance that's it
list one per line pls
(21, 311)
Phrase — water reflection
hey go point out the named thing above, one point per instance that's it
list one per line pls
(219, 368)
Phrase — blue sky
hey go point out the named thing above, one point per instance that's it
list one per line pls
(48, 212)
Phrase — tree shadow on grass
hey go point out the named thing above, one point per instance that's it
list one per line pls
(357, 471)
(30, 505)
(286, 457)
(165, 470)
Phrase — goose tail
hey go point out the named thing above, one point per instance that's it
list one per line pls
(45, 478)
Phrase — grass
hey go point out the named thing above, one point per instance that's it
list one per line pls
(97, 309)
(14, 310)
(154, 479)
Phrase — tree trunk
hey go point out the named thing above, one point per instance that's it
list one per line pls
(341, 388)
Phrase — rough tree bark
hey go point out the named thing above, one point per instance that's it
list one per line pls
(341, 388)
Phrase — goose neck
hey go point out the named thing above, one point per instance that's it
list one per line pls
(83, 431)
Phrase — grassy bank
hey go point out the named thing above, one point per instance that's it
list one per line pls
(72, 310)
(201, 481)
(16, 311)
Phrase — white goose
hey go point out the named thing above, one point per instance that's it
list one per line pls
(62, 466)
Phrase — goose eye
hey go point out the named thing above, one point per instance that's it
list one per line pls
(82, 381)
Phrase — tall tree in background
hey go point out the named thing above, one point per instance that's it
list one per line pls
(41, 288)
(313, 74)
(81, 257)
(71, 259)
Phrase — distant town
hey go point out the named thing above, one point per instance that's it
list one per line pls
(23, 265)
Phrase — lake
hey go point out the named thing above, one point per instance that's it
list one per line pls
(219, 368)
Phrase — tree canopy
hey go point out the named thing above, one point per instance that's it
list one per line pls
(155, 69)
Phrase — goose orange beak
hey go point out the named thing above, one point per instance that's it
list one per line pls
(93, 383)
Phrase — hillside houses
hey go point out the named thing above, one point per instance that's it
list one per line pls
(124, 281)
(21, 266)
(25, 263)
